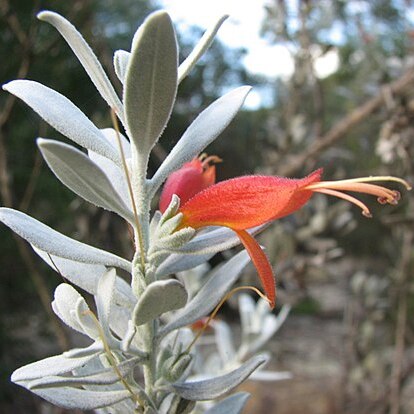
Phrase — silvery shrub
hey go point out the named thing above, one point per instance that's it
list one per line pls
(142, 357)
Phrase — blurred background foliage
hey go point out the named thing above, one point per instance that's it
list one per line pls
(350, 341)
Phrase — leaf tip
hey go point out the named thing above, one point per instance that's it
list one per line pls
(41, 142)
(160, 15)
(45, 15)
(6, 86)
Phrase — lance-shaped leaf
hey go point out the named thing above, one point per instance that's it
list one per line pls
(104, 299)
(151, 80)
(203, 130)
(45, 238)
(115, 173)
(179, 262)
(94, 348)
(121, 60)
(210, 294)
(62, 115)
(72, 398)
(230, 405)
(204, 43)
(125, 406)
(81, 175)
(159, 297)
(102, 377)
(214, 240)
(72, 308)
(86, 57)
(269, 324)
(224, 340)
(87, 276)
(216, 387)
(54, 365)
(111, 135)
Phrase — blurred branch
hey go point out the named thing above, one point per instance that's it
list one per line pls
(31, 185)
(341, 128)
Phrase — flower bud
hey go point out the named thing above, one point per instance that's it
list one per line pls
(190, 179)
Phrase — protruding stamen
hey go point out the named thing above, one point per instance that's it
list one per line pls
(212, 159)
(397, 195)
(202, 156)
(385, 195)
(380, 178)
(347, 197)
(382, 200)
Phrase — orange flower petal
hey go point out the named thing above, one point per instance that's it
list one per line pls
(245, 202)
(261, 263)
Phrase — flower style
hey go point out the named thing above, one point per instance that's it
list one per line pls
(245, 202)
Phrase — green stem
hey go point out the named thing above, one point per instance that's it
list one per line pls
(149, 330)
(150, 366)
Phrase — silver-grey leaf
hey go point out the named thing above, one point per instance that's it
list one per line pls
(72, 398)
(202, 131)
(216, 387)
(224, 340)
(54, 365)
(159, 297)
(102, 377)
(179, 262)
(104, 298)
(72, 309)
(204, 43)
(86, 57)
(116, 174)
(111, 135)
(213, 240)
(269, 324)
(151, 81)
(81, 175)
(121, 59)
(45, 238)
(62, 115)
(64, 304)
(210, 294)
(94, 348)
(230, 405)
(87, 276)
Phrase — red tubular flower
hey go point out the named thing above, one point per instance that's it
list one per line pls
(190, 179)
(245, 202)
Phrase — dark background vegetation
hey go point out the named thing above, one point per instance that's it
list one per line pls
(350, 339)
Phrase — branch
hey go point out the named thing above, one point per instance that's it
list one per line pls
(341, 128)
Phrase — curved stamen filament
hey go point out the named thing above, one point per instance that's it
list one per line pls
(202, 156)
(347, 197)
(380, 178)
(384, 194)
(212, 159)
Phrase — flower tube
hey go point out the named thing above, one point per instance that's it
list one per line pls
(245, 202)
